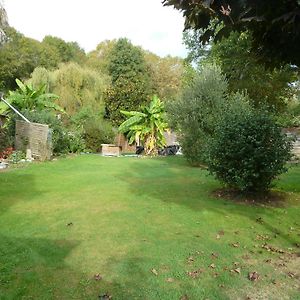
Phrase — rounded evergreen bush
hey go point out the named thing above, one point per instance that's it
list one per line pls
(248, 150)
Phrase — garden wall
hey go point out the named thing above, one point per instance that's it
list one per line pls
(36, 137)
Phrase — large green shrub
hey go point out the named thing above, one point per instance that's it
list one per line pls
(97, 132)
(248, 149)
(194, 115)
(93, 128)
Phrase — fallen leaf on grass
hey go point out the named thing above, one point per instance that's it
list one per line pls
(262, 237)
(170, 280)
(213, 266)
(235, 245)
(214, 255)
(69, 224)
(97, 276)
(191, 259)
(260, 220)
(184, 297)
(253, 276)
(105, 297)
(281, 264)
(271, 248)
(246, 257)
(196, 273)
(154, 272)
(219, 234)
(291, 274)
(237, 270)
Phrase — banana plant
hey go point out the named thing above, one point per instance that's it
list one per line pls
(146, 127)
(26, 97)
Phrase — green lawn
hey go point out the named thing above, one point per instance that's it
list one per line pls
(152, 228)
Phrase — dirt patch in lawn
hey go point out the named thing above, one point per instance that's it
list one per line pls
(272, 198)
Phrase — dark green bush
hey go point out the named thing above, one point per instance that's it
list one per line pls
(6, 140)
(97, 132)
(248, 150)
(94, 129)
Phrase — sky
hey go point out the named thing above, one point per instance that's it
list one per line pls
(146, 23)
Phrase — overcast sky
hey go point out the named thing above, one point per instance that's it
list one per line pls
(145, 22)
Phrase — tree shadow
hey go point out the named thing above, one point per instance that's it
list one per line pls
(35, 268)
(15, 187)
(142, 281)
(172, 180)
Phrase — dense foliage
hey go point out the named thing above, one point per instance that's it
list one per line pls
(195, 113)
(78, 87)
(21, 55)
(92, 128)
(131, 86)
(166, 74)
(248, 149)
(275, 24)
(26, 97)
(244, 71)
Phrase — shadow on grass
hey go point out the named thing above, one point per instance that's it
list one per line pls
(15, 187)
(35, 269)
(172, 180)
(139, 280)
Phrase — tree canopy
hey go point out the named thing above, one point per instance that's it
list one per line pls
(131, 84)
(243, 69)
(275, 24)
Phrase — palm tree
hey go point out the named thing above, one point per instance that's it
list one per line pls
(146, 127)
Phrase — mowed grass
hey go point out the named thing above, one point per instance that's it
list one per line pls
(151, 228)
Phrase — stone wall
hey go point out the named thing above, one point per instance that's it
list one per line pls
(36, 137)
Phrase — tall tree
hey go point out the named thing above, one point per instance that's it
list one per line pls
(18, 58)
(242, 67)
(77, 86)
(166, 74)
(66, 51)
(131, 84)
(99, 59)
(275, 24)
